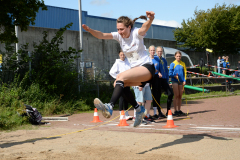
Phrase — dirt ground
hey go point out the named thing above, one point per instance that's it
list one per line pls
(211, 132)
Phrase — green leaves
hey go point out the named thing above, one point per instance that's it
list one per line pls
(21, 13)
(54, 69)
(217, 28)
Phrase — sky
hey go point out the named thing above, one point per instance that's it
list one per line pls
(167, 12)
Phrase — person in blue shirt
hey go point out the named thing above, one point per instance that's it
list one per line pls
(164, 78)
(224, 65)
(178, 74)
(156, 88)
(223, 58)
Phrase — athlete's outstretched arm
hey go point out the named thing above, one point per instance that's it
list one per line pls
(97, 34)
(143, 30)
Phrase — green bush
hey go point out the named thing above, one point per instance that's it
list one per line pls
(13, 96)
(51, 85)
(53, 68)
(10, 116)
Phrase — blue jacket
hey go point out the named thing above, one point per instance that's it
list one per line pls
(224, 64)
(163, 68)
(156, 64)
(221, 64)
(180, 69)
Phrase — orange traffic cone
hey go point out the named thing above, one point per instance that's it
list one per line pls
(95, 117)
(170, 123)
(123, 121)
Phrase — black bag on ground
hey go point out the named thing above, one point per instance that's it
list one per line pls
(34, 116)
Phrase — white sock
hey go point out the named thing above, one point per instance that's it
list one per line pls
(120, 112)
(126, 113)
(134, 112)
(155, 110)
(148, 115)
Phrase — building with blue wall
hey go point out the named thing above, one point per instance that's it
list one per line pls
(57, 17)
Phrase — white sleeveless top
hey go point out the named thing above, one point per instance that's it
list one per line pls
(133, 48)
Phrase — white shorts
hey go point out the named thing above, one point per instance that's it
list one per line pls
(142, 96)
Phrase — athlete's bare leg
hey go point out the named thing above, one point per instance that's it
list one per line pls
(134, 76)
(176, 95)
(180, 89)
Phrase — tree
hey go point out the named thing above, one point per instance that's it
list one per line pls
(52, 68)
(17, 12)
(217, 28)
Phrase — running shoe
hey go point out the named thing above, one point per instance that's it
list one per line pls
(161, 115)
(155, 116)
(105, 108)
(149, 119)
(176, 113)
(181, 113)
(139, 116)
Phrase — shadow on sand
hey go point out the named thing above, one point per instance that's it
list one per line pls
(10, 144)
(185, 139)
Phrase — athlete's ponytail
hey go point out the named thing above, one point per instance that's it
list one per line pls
(141, 17)
(128, 22)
